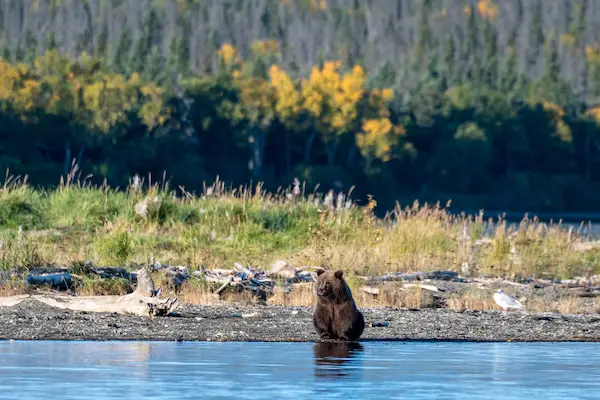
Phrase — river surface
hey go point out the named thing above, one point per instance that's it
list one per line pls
(372, 370)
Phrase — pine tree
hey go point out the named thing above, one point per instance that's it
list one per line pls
(179, 48)
(578, 30)
(450, 59)
(491, 55)
(551, 61)
(425, 35)
(121, 60)
(6, 53)
(537, 39)
(473, 69)
(155, 70)
(31, 48)
(510, 71)
(150, 36)
(101, 46)
(52, 45)
(139, 55)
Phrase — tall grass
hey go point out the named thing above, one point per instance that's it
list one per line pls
(77, 221)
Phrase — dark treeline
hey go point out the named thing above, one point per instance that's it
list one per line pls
(493, 104)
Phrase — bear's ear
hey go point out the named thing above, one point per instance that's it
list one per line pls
(339, 273)
(320, 271)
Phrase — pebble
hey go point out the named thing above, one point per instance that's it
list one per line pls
(279, 323)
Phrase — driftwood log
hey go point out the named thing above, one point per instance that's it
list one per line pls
(144, 301)
(417, 276)
(262, 283)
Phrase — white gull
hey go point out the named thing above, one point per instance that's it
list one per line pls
(505, 301)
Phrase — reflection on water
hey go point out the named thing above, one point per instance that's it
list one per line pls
(371, 370)
(337, 359)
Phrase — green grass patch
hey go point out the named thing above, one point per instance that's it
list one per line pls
(77, 222)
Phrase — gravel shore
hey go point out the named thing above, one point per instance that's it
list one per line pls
(34, 321)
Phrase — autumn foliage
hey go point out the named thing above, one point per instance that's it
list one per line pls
(330, 102)
(253, 118)
(100, 102)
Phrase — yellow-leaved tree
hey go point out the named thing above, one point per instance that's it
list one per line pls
(332, 100)
(288, 106)
(378, 135)
(92, 100)
(376, 140)
(556, 117)
(258, 107)
(255, 111)
(10, 80)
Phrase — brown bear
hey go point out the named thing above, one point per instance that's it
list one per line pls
(336, 315)
(336, 359)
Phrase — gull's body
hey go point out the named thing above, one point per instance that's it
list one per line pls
(505, 301)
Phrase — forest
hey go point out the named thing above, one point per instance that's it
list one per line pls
(489, 104)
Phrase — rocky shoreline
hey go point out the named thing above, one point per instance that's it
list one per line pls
(32, 320)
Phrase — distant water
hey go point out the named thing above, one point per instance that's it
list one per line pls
(590, 231)
(374, 370)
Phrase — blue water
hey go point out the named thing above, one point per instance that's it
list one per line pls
(375, 370)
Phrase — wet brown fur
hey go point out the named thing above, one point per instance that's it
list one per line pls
(336, 315)
(330, 358)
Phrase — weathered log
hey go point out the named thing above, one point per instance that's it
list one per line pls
(240, 268)
(431, 288)
(112, 272)
(371, 290)
(492, 281)
(304, 276)
(224, 286)
(589, 292)
(143, 301)
(283, 270)
(57, 279)
(10, 301)
(145, 284)
(419, 276)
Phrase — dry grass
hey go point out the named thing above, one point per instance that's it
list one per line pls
(196, 291)
(301, 295)
(568, 304)
(478, 299)
(397, 297)
(472, 300)
(78, 222)
(103, 287)
(391, 296)
(12, 289)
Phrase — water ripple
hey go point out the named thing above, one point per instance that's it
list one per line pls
(371, 370)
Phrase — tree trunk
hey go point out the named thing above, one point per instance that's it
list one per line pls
(143, 301)
(351, 156)
(308, 147)
(67, 165)
(331, 149)
(368, 164)
(587, 157)
(79, 159)
(257, 146)
(288, 152)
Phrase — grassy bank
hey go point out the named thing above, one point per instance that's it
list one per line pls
(77, 222)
